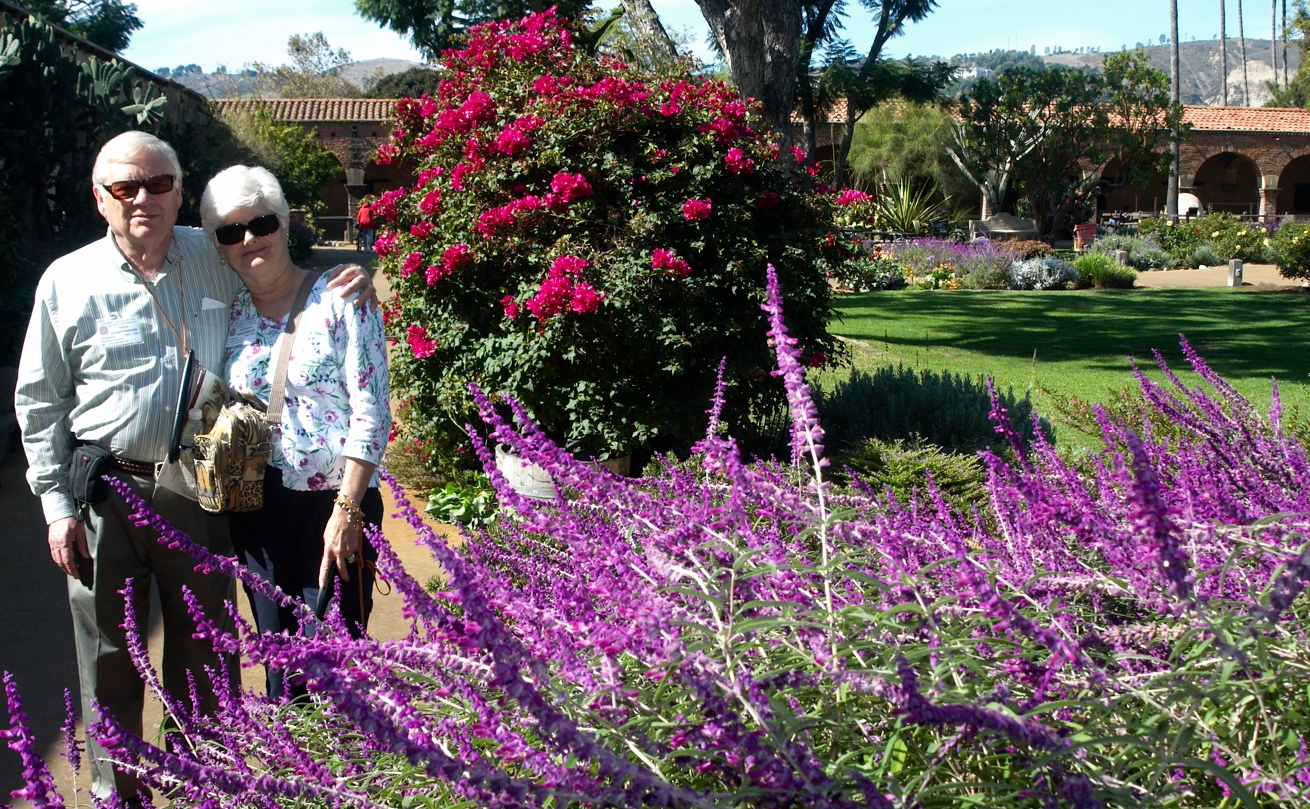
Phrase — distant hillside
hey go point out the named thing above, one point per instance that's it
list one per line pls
(1200, 68)
(243, 83)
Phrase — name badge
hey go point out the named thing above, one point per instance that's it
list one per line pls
(242, 331)
(112, 332)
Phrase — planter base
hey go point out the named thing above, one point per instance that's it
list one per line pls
(530, 480)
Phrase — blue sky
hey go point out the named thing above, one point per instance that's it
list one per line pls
(236, 32)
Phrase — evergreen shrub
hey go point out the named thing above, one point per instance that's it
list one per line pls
(895, 403)
(1291, 249)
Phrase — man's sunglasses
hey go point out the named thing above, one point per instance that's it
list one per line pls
(235, 232)
(127, 190)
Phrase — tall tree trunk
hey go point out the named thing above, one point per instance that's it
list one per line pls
(646, 25)
(1241, 41)
(1273, 37)
(1284, 44)
(816, 21)
(761, 40)
(1171, 197)
(886, 30)
(1223, 50)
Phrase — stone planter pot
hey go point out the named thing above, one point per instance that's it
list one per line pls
(530, 480)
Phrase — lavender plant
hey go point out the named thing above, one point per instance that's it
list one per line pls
(1130, 632)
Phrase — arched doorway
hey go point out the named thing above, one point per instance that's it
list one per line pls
(1229, 183)
(1121, 197)
(1294, 188)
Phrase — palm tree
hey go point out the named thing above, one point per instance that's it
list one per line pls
(1171, 194)
(1241, 41)
(1223, 50)
(1273, 37)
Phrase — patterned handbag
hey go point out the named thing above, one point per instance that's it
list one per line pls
(231, 457)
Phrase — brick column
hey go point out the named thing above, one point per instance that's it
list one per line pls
(1268, 197)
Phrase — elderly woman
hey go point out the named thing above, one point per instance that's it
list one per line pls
(321, 485)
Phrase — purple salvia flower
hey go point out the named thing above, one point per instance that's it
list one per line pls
(39, 790)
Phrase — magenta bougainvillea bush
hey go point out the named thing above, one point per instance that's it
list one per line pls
(590, 239)
(1122, 630)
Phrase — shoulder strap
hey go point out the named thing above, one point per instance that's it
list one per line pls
(275, 398)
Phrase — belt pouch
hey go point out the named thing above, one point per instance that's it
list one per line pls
(86, 483)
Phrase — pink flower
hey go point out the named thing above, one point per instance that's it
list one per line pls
(694, 209)
(738, 162)
(850, 196)
(385, 207)
(662, 258)
(385, 243)
(435, 273)
(420, 229)
(555, 293)
(568, 265)
(798, 153)
(570, 187)
(456, 256)
(512, 140)
(431, 202)
(386, 153)
(767, 199)
(585, 298)
(510, 306)
(458, 173)
(817, 359)
(427, 175)
(419, 342)
(493, 219)
(411, 264)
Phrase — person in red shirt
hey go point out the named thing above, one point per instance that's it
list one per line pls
(364, 219)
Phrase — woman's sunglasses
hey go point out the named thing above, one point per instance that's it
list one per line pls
(127, 190)
(235, 232)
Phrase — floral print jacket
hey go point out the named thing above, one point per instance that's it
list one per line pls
(337, 391)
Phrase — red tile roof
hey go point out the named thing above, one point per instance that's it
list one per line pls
(316, 109)
(1247, 119)
(1230, 119)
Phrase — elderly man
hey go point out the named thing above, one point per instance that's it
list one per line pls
(102, 364)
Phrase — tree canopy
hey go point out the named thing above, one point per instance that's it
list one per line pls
(413, 83)
(107, 23)
(431, 24)
(1050, 133)
(314, 72)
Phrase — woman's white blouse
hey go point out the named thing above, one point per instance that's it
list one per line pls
(337, 391)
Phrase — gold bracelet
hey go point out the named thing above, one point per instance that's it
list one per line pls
(351, 508)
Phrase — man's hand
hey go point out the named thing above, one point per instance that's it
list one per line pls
(67, 538)
(351, 278)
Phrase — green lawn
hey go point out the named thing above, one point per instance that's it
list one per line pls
(1081, 340)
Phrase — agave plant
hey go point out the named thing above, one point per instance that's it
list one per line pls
(904, 209)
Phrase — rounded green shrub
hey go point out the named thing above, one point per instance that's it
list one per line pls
(1100, 270)
(1143, 253)
(593, 241)
(1291, 249)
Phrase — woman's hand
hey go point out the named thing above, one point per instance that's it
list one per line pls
(349, 279)
(343, 539)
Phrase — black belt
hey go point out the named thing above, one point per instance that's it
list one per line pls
(129, 465)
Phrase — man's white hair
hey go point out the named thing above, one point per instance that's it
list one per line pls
(128, 145)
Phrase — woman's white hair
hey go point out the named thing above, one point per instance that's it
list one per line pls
(240, 187)
(127, 145)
